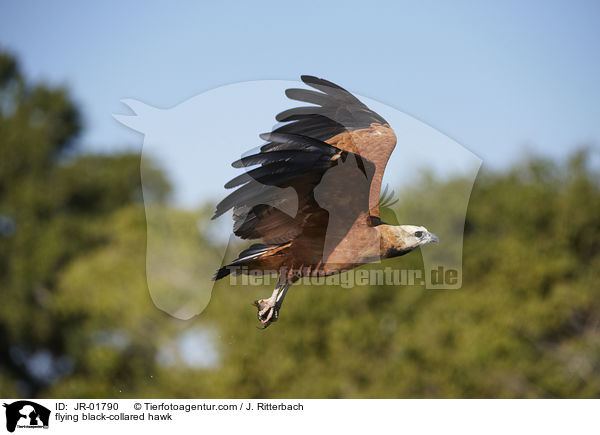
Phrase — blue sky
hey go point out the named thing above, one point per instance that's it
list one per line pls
(500, 78)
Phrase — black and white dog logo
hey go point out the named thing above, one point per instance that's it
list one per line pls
(26, 414)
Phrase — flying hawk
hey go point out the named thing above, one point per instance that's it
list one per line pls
(313, 194)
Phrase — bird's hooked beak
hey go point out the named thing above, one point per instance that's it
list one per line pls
(433, 238)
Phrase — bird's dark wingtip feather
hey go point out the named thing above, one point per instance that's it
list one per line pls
(280, 117)
(312, 80)
(307, 77)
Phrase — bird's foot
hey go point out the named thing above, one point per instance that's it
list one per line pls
(268, 311)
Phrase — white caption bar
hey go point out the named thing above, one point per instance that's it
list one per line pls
(300, 416)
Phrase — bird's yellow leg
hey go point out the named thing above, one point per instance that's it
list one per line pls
(268, 309)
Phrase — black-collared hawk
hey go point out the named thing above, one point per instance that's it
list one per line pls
(312, 194)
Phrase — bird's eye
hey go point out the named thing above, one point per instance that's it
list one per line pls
(419, 234)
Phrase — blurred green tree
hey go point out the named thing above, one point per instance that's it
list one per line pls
(53, 203)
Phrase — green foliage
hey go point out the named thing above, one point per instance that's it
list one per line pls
(77, 319)
(54, 206)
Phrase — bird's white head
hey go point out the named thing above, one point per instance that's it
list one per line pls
(414, 236)
(401, 239)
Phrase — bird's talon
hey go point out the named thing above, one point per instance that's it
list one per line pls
(268, 312)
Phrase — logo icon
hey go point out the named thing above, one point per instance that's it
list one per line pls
(26, 414)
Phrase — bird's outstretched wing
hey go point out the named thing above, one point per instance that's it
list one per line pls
(276, 200)
(341, 119)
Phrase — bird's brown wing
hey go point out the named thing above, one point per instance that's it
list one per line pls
(288, 195)
(276, 201)
(342, 120)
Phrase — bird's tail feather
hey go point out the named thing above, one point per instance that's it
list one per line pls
(253, 252)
